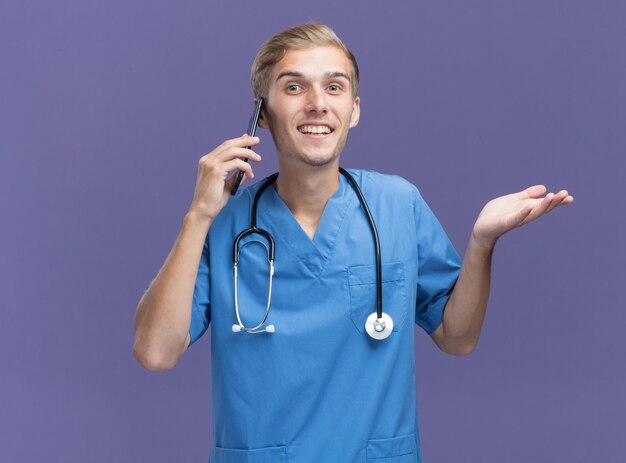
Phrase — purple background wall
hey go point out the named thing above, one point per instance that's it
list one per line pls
(106, 107)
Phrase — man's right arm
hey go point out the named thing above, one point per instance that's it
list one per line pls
(164, 312)
(163, 315)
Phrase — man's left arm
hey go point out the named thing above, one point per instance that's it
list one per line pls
(465, 309)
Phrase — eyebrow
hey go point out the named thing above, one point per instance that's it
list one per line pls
(299, 74)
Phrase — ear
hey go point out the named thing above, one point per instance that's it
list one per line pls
(262, 119)
(356, 112)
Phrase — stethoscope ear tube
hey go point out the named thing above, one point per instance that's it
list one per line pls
(239, 326)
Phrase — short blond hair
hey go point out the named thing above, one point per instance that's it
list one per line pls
(296, 37)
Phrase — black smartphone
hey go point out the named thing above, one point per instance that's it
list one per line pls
(252, 125)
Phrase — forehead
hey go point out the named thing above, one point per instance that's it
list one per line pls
(313, 61)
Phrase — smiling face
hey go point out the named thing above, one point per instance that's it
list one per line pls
(309, 106)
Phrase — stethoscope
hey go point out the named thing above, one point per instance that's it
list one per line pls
(378, 325)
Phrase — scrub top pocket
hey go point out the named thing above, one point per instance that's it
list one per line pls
(362, 287)
(394, 450)
(263, 455)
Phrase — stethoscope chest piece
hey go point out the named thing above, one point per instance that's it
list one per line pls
(379, 328)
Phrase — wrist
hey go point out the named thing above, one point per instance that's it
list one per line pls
(482, 243)
(195, 219)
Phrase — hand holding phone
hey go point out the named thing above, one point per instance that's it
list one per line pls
(252, 125)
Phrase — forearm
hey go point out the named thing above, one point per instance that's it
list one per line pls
(164, 312)
(465, 310)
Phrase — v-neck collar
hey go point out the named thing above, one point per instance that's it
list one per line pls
(313, 253)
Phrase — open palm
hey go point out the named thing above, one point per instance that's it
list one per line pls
(505, 213)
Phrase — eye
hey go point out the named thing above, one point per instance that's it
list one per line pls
(334, 88)
(293, 88)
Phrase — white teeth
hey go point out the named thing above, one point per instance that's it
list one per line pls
(316, 129)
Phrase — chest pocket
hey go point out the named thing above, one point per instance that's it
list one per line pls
(264, 455)
(395, 450)
(362, 287)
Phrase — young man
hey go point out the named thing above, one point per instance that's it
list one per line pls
(320, 385)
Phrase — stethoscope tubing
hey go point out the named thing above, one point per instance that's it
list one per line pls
(254, 330)
(254, 229)
(379, 288)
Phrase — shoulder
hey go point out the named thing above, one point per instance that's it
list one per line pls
(245, 196)
(388, 185)
(238, 206)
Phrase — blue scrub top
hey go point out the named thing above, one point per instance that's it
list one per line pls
(320, 389)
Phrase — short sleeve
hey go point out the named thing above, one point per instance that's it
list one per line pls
(200, 308)
(438, 266)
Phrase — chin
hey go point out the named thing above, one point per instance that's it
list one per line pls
(318, 161)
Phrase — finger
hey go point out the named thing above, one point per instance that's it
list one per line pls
(541, 207)
(244, 140)
(567, 200)
(522, 215)
(237, 152)
(563, 198)
(557, 200)
(235, 164)
(534, 191)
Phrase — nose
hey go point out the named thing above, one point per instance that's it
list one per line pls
(316, 100)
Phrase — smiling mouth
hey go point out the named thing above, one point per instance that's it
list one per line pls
(315, 129)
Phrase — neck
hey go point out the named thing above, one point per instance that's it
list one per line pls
(307, 189)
